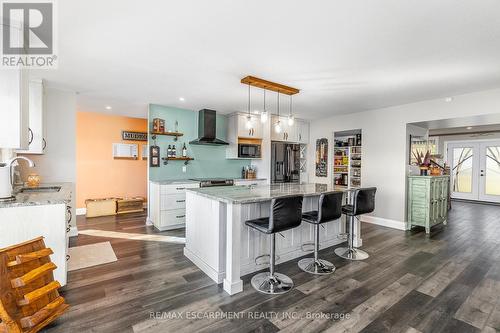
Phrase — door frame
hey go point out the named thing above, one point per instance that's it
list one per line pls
(478, 185)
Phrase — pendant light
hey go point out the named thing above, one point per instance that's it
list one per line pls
(291, 118)
(263, 114)
(277, 126)
(248, 123)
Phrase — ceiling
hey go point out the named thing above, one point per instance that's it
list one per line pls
(345, 56)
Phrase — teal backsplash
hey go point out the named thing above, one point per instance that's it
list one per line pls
(209, 161)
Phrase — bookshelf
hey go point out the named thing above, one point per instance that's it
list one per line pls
(347, 159)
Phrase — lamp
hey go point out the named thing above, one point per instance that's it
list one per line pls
(263, 114)
(277, 126)
(291, 118)
(248, 123)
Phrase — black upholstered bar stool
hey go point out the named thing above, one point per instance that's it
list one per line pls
(285, 214)
(329, 209)
(363, 202)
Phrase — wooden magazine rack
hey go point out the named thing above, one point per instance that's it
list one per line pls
(29, 299)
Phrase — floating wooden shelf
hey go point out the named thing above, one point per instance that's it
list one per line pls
(174, 134)
(185, 159)
(268, 85)
(180, 158)
(125, 158)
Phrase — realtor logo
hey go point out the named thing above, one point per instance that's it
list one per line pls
(28, 34)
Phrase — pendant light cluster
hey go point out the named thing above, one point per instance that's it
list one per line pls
(248, 123)
(264, 114)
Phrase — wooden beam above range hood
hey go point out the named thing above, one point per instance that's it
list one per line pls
(268, 85)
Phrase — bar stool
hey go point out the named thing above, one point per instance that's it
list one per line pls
(363, 202)
(329, 209)
(285, 214)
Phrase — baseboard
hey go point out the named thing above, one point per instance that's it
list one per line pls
(384, 222)
(81, 211)
(207, 269)
(73, 232)
(170, 227)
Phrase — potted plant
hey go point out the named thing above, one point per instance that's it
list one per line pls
(423, 161)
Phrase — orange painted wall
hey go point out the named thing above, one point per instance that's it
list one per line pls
(98, 175)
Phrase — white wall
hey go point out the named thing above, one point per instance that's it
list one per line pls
(58, 163)
(385, 142)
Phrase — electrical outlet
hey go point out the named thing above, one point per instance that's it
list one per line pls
(184, 168)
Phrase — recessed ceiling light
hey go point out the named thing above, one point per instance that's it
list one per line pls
(108, 107)
(181, 99)
(469, 127)
(448, 99)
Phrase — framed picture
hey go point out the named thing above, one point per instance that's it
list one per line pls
(420, 145)
(154, 156)
(322, 157)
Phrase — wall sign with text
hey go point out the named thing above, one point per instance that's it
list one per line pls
(134, 136)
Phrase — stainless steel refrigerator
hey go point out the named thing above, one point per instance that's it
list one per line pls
(285, 163)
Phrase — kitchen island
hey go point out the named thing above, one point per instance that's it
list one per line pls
(222, 246)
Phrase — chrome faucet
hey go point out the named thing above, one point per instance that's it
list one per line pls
(31, 164)
(9, 163)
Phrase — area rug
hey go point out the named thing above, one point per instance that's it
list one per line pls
(132, 236)
(90, 255)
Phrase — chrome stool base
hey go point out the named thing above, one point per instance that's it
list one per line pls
(351, 254)
(272, 284)
(319, 267)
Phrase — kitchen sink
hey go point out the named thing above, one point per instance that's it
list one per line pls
(40, 189)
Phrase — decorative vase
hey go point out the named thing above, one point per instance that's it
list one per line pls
(423, 171)
(33, 180)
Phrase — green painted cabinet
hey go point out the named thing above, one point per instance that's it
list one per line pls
(427, 201)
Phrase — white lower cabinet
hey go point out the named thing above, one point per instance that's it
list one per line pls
(168, 204)
(20, 224)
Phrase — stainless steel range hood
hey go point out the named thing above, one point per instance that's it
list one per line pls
(206, 129)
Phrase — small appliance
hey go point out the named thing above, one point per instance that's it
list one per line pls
(247, 150)
(6, 179)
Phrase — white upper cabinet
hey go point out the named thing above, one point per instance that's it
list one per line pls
(255, 132)
(14, 117)
(296, 133)
(36, 130)
(302, 131)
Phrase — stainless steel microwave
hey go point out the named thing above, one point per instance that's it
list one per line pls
(249, 150)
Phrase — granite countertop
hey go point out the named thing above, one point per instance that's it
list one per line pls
(41, 198)
(190, 181)
(248, 194)
(174, 181)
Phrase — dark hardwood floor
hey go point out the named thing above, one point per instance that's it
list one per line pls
(448, 282)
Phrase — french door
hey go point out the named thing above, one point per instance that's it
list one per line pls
(475, 170)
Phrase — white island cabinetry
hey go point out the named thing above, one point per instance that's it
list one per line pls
(222, 246)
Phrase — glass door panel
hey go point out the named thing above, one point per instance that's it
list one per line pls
(490, 172)
(464, 164)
